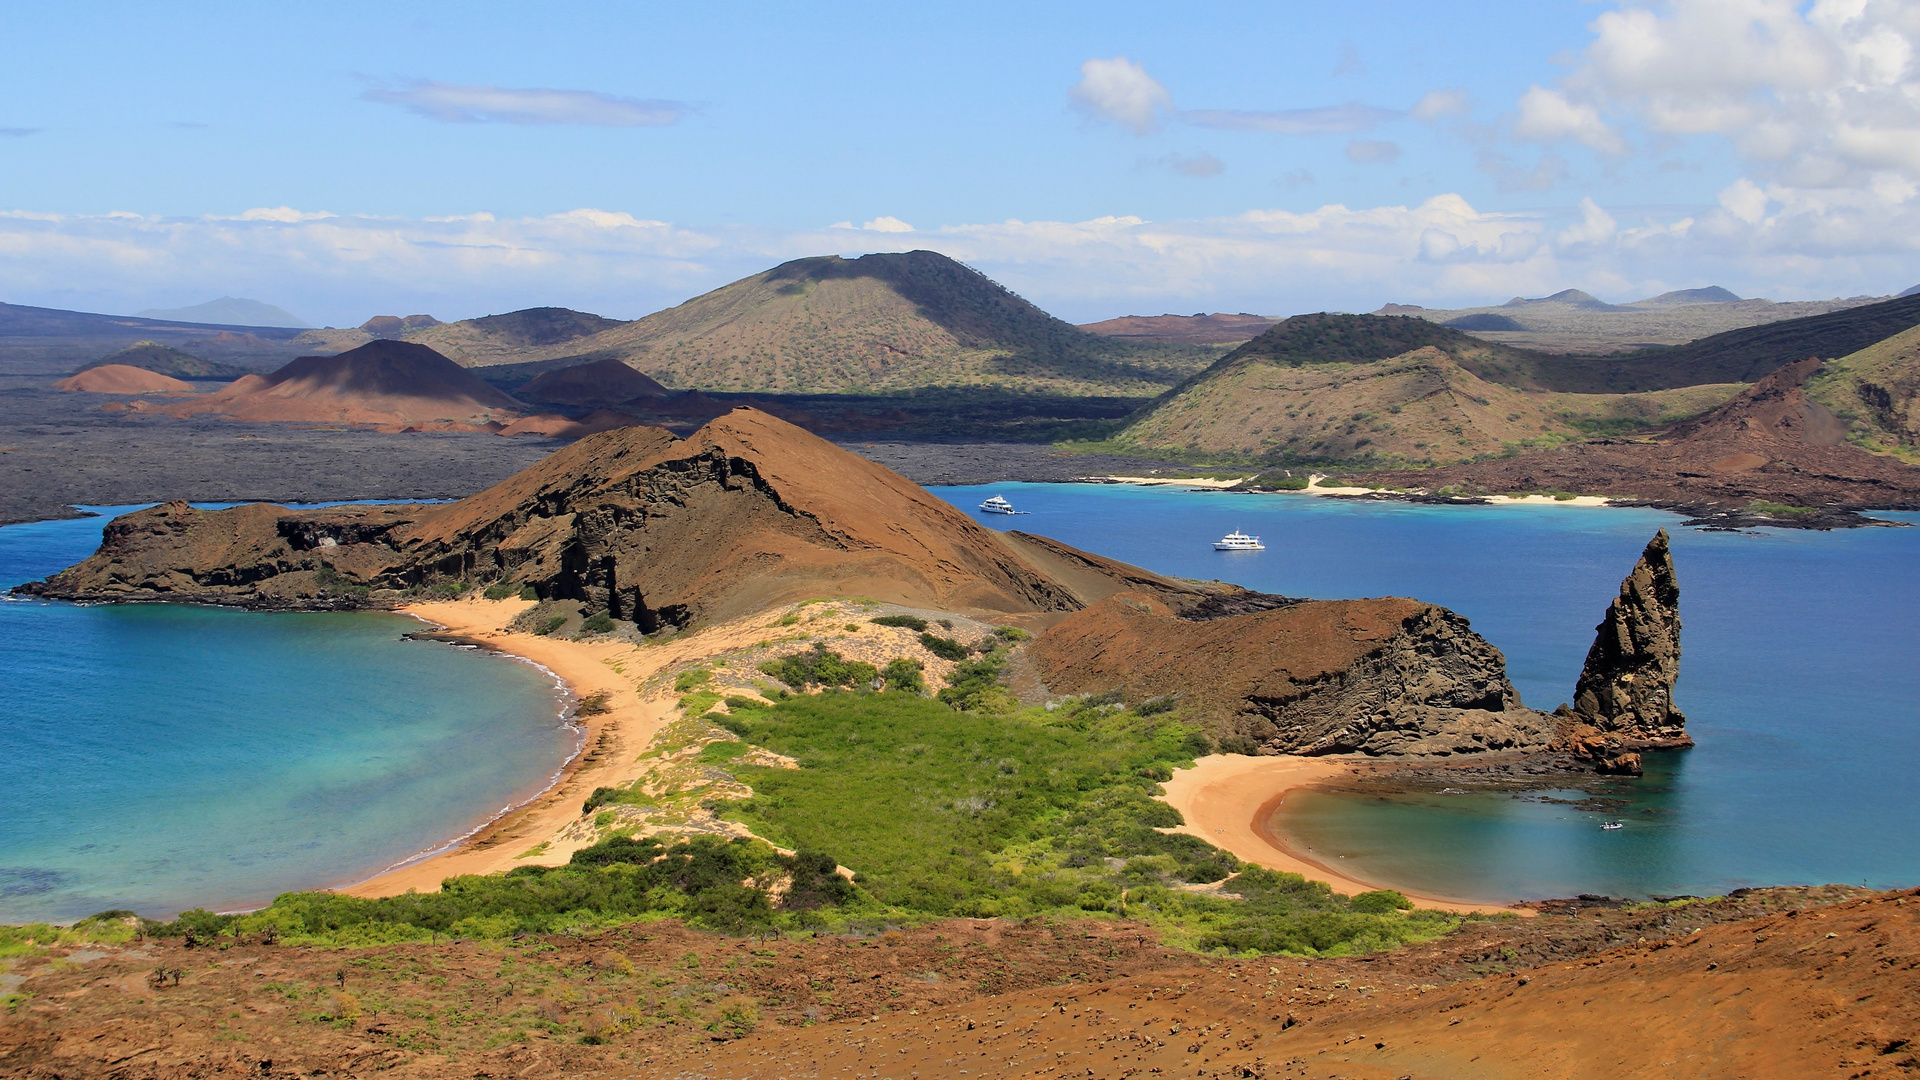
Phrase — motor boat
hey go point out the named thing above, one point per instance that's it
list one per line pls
(998, 505)
(1238, 541)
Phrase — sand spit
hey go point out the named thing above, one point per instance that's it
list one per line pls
(1228, 798)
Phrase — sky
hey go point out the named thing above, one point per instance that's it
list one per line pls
(347, 159)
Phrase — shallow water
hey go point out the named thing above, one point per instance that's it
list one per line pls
(1800, 680)
(158, 757)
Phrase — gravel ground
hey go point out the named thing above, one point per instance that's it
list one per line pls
(59, 449)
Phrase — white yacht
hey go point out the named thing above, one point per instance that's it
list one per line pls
(997, 505)
(1238, 541)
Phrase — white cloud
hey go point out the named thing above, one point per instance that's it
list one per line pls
(1435, 104)
(1372, 152)
(1550, 116)
(1121, 91)
(456, 103)
(1776, 241)
(1348, 119)
(880, 224)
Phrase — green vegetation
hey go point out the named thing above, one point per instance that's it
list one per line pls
(528, 592)
(1780, 510)
(598, 623)
(553, 623)
(1279, 480)
(908, 621)
(821, 667)
(905, 675)
(500, 590)
(944, 648)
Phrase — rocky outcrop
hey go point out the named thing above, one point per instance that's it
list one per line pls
(748, 512)
(1623, 702)
(1388, 676)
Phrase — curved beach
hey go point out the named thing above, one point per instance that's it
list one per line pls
(1228, 800)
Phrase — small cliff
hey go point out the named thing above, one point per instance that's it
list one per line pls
(1386, 676)
(1623, 702)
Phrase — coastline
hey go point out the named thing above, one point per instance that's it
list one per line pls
(611, 745)
(1227, 800)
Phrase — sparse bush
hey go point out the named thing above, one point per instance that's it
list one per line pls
(905, 675)
(691, 679)
(598, 623)
(944, 648)
(821, 667)
(528, 592)
(552, 624)
(910, 622)
(500, 590)
(1010, 633)
(594, 704)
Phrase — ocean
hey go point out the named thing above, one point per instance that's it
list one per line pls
(1800, 678)
(159, 757)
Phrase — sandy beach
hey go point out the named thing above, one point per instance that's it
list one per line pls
(1161, 481)
(1227, 799)
(614, 739)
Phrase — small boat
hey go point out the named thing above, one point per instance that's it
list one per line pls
(1238, 541)
(1612, 825)
(997, 505)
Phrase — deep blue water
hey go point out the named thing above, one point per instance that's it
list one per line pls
(158, 757)
(1800, 679)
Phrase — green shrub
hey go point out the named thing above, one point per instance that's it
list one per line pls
(970, 683)
(528, 592)
(820, 667)
(910, 622)
(1010, 633)
(691, 679)
(447, 590)
(944, 648)
(1279, 481)
(500, 590)
(905, 675)
(1381, 901)
(598, 623)
(550, 625)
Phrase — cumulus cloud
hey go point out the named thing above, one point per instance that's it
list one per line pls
(458, 103)
(1372, 152)
(1550, 116)
(1121, 92)
(1351, 118)
(881, 224)
(1435, 104)
(1440, 252)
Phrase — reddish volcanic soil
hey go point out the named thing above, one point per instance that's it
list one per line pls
(380, 383)
(123, 379)
(1770, 443)
(1215, 329)
(1774, 983)
(551, 426)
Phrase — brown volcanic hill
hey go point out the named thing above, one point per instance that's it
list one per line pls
(396, 326)
(382, 382)
(1196, 329)
(170, 361)
(513, 337)
(122, 379)
(553, 426)
(1876, 391)
(747, 512)
(880, 322)
(600, 383)
(1771, 443)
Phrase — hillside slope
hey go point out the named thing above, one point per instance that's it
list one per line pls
(1366, 388)
(1876, 391)
(879, 322)
(168, 361)
(1201, 329)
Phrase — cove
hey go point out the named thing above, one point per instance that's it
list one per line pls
(1800, 679)
(157, 757)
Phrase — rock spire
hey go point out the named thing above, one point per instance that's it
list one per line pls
(1624, 699)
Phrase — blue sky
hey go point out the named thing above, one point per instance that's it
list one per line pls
(346, 159)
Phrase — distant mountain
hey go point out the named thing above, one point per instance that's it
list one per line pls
(227, 311)
(1911, 291)
(884, 322)
(1712, 294)
(50, 341)
(1744, 355)
(396, 326)
(1196, 329)
(1575, 322)
(168, 361)
(382, 383)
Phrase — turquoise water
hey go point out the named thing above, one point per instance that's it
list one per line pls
(1800, 680)
(159, 757)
